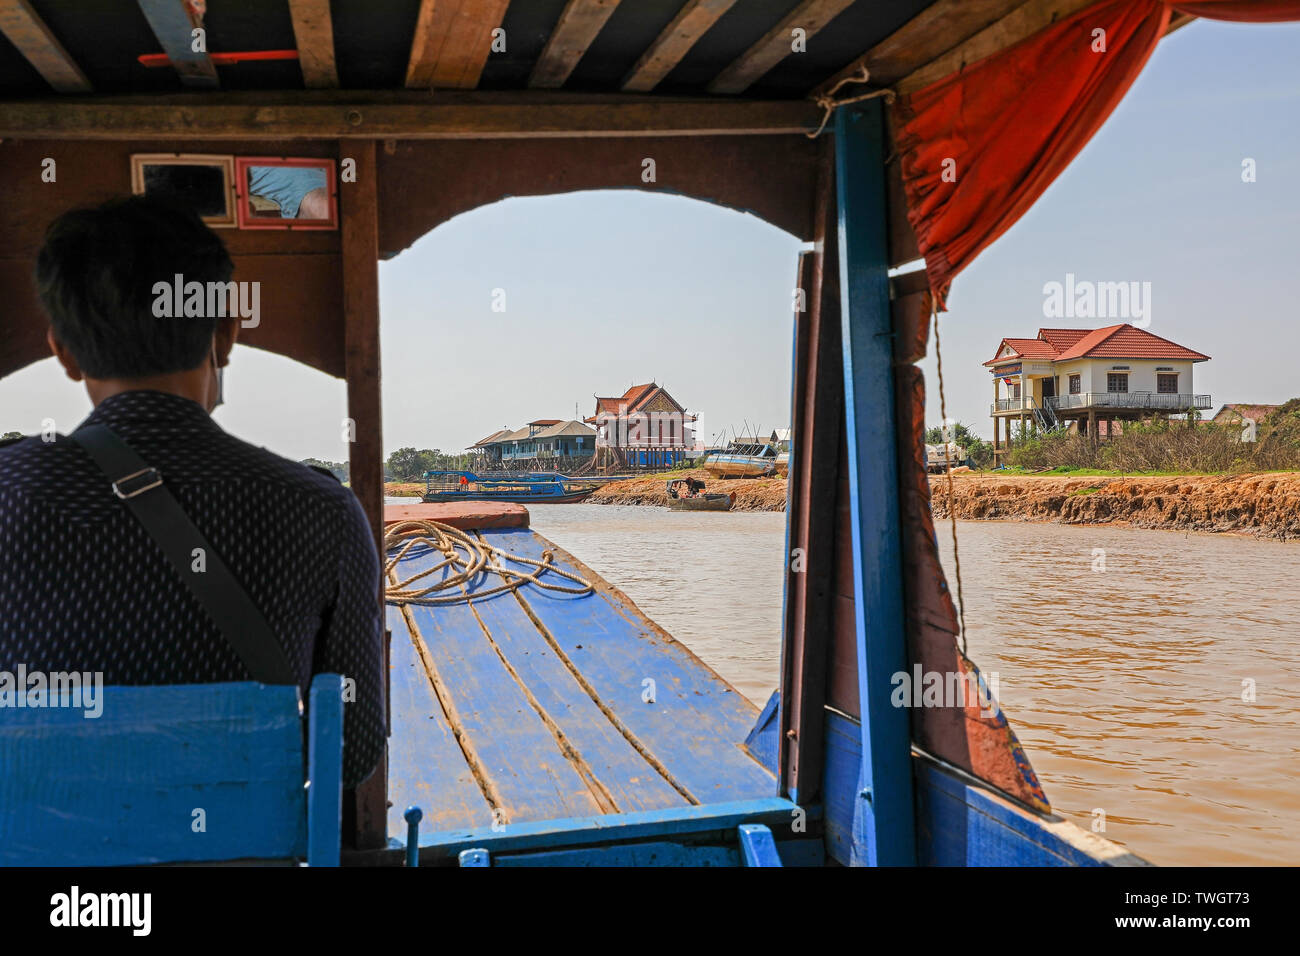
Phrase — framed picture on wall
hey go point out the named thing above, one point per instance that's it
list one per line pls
(203, 183)
(274, 192)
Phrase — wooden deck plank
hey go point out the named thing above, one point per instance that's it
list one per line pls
(426, 766)
(697, 725)
(526, 773)
(630, 781)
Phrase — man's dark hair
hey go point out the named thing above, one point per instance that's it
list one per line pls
(96, 273)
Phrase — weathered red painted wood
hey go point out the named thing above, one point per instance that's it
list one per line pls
(817, 414)
(465, 515)
(359, 231)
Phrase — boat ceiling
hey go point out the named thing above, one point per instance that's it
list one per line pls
(669, 47)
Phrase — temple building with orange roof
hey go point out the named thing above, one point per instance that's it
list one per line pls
(1089, 380)
(645, 427)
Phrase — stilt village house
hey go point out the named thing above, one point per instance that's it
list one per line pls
(546, 442)
(645, 427)
(1089, 378)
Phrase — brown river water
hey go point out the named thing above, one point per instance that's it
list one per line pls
(1122, 657)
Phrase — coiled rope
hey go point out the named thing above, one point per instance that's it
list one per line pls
(466, 560)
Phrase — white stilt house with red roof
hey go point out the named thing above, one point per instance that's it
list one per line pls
(1082, 378)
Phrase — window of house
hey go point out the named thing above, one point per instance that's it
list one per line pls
(1167, 384)
(1015, 390)
(1117, 381)
(1076, 384)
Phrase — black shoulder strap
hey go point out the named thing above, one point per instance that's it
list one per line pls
(142, 490)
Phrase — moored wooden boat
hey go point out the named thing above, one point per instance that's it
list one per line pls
(688, 494)
(450, 486)
(732, 465)
(707, 502)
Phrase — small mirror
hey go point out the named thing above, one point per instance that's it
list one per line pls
(286, 193)
(202, 183)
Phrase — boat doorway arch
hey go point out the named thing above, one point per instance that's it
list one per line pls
(527, 311)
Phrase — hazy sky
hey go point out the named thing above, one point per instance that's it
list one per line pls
(607, 289)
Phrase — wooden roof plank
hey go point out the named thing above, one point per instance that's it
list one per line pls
(426, 41)
(578, 25)
(1018, 25)
(451, 42)
(33, 39)
(676, 40)
(313, 30)
(926, 37)
(810, 16)
(172, 22)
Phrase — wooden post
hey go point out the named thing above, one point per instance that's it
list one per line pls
(884, 824)
(1092, 425)
(816, 416)
(359, 212)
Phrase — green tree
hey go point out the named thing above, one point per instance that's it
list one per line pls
(338, 468)
(405, 464)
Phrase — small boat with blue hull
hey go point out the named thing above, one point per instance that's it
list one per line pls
(545, 488)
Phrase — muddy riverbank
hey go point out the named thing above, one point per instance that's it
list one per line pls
(752, 494)
(1265, 505)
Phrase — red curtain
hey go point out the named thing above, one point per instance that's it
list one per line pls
(1241, 11)
(979, 147)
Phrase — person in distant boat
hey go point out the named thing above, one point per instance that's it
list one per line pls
(84, 586)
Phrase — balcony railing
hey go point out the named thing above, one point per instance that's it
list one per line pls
(1156, 401)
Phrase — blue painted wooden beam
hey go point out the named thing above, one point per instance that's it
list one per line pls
(672, 823)
(757, 845)
(173, 23)
(657, 853)
(884, 831)
(325, 765)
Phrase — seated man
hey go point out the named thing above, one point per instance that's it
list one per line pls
(83, 585)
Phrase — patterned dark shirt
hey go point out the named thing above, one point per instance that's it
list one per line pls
(83, 587)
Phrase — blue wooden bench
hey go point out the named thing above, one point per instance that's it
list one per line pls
(166, 774)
